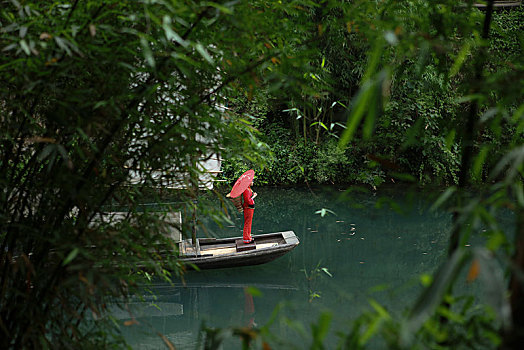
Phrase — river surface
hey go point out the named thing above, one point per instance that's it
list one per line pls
(366, 246)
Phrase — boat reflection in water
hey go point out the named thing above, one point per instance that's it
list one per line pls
(178, 312)
(211, 298)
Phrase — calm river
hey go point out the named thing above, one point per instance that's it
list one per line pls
(361, 248)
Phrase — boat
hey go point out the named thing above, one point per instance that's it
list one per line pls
(215, 253)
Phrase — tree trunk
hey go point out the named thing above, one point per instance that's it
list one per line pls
(470, 130)
(514, 338)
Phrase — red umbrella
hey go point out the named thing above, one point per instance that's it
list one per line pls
(242, 183)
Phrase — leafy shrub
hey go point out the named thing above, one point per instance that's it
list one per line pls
(293, 161)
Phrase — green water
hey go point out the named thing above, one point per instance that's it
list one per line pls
(369, 250)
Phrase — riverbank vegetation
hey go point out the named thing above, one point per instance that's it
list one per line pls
(414, 137)
(94, 93)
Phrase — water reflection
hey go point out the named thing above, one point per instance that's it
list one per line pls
(179, 311)
(343, 259)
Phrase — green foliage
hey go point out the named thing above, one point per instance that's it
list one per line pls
(506, 38)
(417, 124)
(292, 161)
(94, 94)
(439, 101)
(97, 100)
(416, 130)
(467, 326)
(312, 277)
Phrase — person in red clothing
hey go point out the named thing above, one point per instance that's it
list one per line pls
(249, 209)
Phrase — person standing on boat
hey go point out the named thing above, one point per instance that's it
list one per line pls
(249, 210)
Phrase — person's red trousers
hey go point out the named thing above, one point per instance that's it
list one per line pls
(248, 220)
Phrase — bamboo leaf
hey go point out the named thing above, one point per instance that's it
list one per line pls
(519, 193)
(469, 98)
(148, 54)
(61, 149)
(46, 152)
(379, 309)
(63, 45)
(321, 329)
(519, 112)
(171, 34)
(23, 32)
(450, 315)
(432, 296)
(9, 47)
(450, 139)
(461, 58)
(480, 159)
(363, 97)
(342, 104)
(357, 113)
(376, 322)
(204, 53)
(443, 198)
(326, 271)
(511, 161)
(70, 256)
(25, 47)
(323, 212)
(490, 113)
(493, 281)
(224, 9)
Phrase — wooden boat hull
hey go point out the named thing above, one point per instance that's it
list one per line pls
(219, 253)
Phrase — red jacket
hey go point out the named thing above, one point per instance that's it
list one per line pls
(248, 198)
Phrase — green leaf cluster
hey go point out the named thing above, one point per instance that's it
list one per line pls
(108, 106)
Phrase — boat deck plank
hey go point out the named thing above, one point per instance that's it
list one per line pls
(231, 250)
(207, 247)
